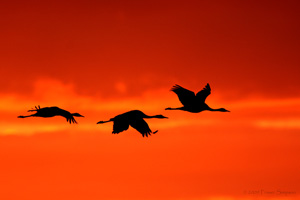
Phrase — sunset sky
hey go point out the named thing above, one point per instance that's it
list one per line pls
(103, 58)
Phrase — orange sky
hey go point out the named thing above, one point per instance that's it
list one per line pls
(103, 58)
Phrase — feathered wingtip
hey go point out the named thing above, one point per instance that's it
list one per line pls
(175, 87)
(146, 134)
(149, 133)
(36, 108)
(71, 120)
(207, 86)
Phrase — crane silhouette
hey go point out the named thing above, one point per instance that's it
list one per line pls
(133, 118)
(51, 112)
(191, 102)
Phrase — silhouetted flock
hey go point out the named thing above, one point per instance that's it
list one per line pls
(135, 118)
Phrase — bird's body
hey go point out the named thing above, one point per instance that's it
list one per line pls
(194, 108)
(135, 119)
(193, 103)
(51, 112)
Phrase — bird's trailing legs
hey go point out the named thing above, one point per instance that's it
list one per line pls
(102, 122)
(21, 116)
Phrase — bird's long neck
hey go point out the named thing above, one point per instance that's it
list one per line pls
(152, 116)
(180, 108)
(217, 109)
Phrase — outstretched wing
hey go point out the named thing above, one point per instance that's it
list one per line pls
(185, 96)
(141, 126)
(120, 125)
(58, 111)
(201, 95)
(70, 119)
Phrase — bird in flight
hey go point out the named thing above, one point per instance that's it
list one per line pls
(191, 102)
(133, 118)
(51, 112)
